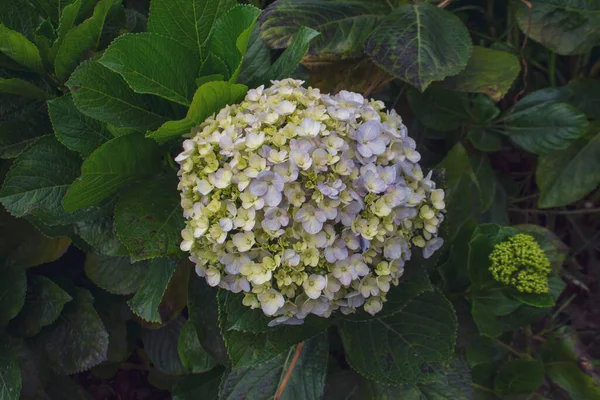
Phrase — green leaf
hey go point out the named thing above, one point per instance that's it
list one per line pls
(82, 38)
(306, 382)
(18, 48)
(238, 317)
(484, 140)
(44, 303)
(232, 31)
(203, 312)
(189, 21)
(67, 20)
(104, 95)
(10, 373)
(256, 61)
(13, 287)
(569, 175)
(519, 377)
(23, 88)
(21, 244)
(287, 63)
(497, 301)
(149, 220)
(116, 275)
(38, 181)
(150, 293)
(488, 71)
(118, 162)
(453, 384)
(407, 347)
(75, 130)
(208, 99)
(169, 73)
(584, 93)
(420, 43)
(78, 341)
(193, 356)
(569, 377)
(546, 127)
(161, 347)
(22, 131)
(100, 233)
(567, 29)
(481, 245)
(344, 25)
(439, 109)
(533, 299)
(199, 386)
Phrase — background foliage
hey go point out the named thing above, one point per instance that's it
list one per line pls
(97, 300)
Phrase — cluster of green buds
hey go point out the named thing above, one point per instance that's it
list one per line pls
(521, 262)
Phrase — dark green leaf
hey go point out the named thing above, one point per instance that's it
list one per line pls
(344, 25)
(161, 347)
(545, 127)
(148, 220)
(568, 175)
(420, 43)
(22, 88)
(306, 381)
(519, 377)
(75, 130)
(82, 38)
(149, 295)
(78, 341)
(193, 356)
(407, 347)
(100, 233)
(18, 48)
(38, 181)
(453, 271)
(533, 299)
(188, 21)
(484, 140)
(169, 73)
(116, 275)
(66, 23)
(13, 287)
(44, 303)
(287, 63)
(104, 95)
(439, 109)
(208, 99)
(487, 323)
(488, 71)
(232, 31)
(567, 29)
(480, 246)
(199, 386)
(20, 132)
(118, 162)
(569, 377)
(10, 373)
(256, 61)
(496, 301)
(585, 95)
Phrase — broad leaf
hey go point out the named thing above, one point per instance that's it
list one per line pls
(78, 341)
(199, 386)
(481, 245)
(407, 347)
(188, 21)
(13, 287)
(169, 72)
(232, 31)
(75, 130)
(150, 293)
(44, 303)
(256, 61)
(116, 275)
(306, 382)
(19, 49)
(238, 317)
(546, 127)
(149, 220)
(82, 38)
(23, 245)
(488, 71)
(208, 99)
(567, 29)
(519, 377)
(344, 25)
(420, 43)
(39, 180)
(66, 23)
(161, 347)
(568, 175)
(191, 353)
(10, 372)
(20, 132)
(100, 233)
(569, 377)
(23, 88)
(439, 109)
(104, 95)
(118, 162)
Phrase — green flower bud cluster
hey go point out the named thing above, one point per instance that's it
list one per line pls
(521, 262)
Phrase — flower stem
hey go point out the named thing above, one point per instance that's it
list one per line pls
(288, 373)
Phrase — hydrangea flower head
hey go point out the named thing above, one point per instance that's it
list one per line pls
(521, 262)
(307, 203)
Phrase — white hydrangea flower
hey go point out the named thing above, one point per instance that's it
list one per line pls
(305, 202)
